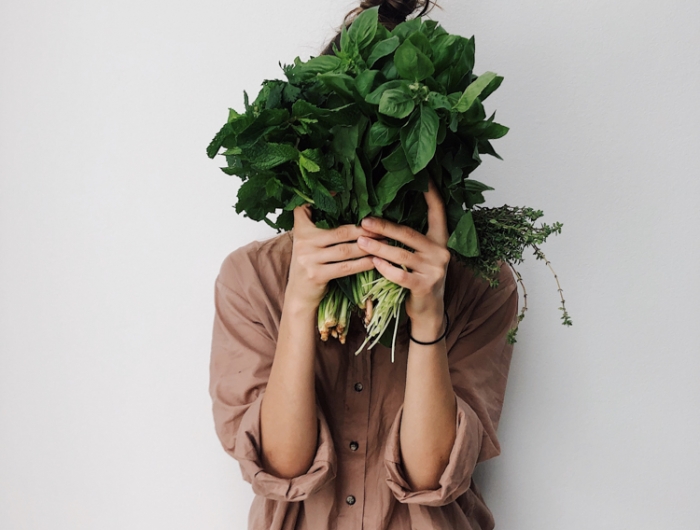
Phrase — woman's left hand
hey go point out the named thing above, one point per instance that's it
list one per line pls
(428, 264)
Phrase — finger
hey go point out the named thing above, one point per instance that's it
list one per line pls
(331, 271)
(437, 220)
(409, 237)
(302, 218)
(341, 234)
(397, 255)
(340, 252)
(394, 274)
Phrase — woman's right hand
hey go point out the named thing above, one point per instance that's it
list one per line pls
(320, 255)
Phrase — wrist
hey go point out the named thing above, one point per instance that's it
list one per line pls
(299, 306)
(427, 328)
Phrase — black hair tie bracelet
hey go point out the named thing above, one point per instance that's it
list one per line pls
(447, 326)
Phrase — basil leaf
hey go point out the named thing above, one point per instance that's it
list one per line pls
(492, 86)
(396, 102)
(406, 28)
(360, 189)
(365, 81)
(364, 27)
(439, 101)
(375, 96)
(411, 63)
(464, 239)
(475, 185)
(390, 184)
(382, 49)
(419, 138)
(381, 134)
(396, 160)
(341, 83)
(473, 91)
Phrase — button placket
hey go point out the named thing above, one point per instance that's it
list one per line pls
(352, 460)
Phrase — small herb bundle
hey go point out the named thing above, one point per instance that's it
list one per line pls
(360, 133)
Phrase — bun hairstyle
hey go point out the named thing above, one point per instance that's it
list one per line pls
(391, 14)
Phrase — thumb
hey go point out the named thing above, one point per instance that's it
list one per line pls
(302, 216)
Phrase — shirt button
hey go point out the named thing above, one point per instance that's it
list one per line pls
(354, 446)
(358, 387)
(350, 499)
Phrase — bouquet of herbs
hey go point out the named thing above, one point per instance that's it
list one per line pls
(360, 133)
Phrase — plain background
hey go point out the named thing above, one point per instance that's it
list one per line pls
(114, 223)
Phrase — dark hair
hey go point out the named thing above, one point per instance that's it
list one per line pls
(391, 14)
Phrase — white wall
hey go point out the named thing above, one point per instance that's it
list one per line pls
(113, 224)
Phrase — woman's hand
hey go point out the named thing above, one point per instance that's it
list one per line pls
(428, 264)
(320, 255)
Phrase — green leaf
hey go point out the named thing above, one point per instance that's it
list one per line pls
(389, 71)
(411, 63)
(345, 141)
(382, 49)
(396, 159)
(295, 201)
(438, 101)
(324, 201)
(218, 140)
(269, 155)
(431, 28)
(232, 115)
(475, 185)
(274, 188)
(364, 27)
(464, 239)
(360, 189)
(492, 86)
(365, 81)
(443, 50)
(375, 96)
(419, 138)
(491, 130)
(397, 102)
(390, 184)
(473, 91)
(264, 122)
(381, 134)
(285, 220)
(344, 39)
(308, 164)
(406, 28)
(303, 71)
(343, 115)
(341, 83)
(486, 148)
(420, 41)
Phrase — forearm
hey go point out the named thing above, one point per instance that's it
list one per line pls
(427, 430)
(288, 412)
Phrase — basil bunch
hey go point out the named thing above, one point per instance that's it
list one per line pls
(360, 132)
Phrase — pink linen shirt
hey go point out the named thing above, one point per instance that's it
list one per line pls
(356, 480)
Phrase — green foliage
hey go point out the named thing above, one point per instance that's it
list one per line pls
(360, 132)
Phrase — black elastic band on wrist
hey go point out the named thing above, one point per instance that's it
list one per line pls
(447, 326)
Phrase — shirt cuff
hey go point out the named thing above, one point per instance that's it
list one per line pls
(247, 452)
(456, 478)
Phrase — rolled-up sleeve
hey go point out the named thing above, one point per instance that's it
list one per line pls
(243, 347)
(479, 360)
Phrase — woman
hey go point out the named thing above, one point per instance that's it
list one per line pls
(332, 440)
